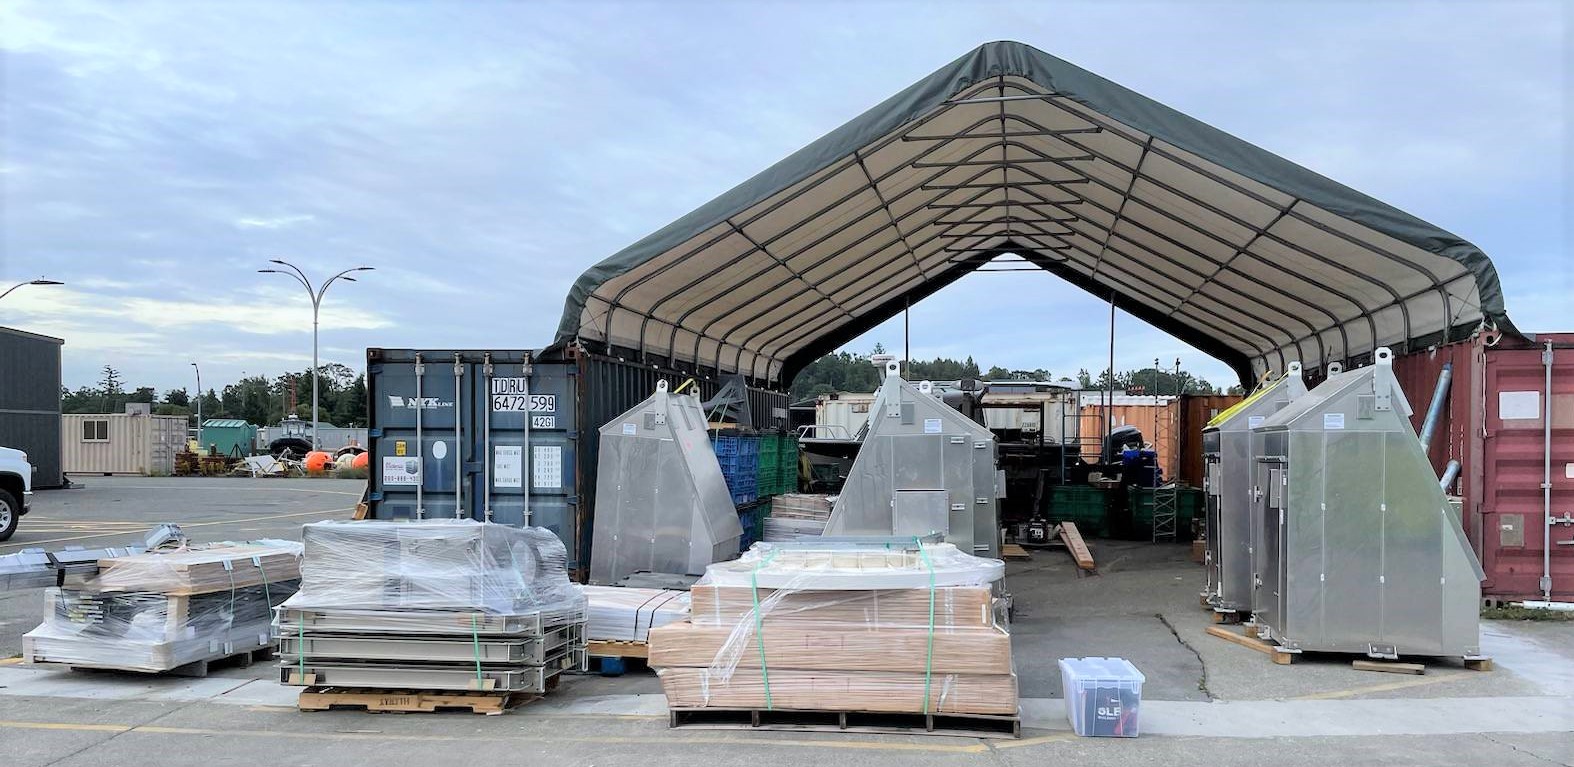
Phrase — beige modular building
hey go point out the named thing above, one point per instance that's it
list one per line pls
(133, 442)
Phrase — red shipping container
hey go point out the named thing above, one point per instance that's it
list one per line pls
(1494, 424)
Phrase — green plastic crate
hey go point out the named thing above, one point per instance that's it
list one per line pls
(1086, 507)
(1188, 506)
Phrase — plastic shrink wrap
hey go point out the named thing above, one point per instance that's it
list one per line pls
(902, 630)
(167, 608)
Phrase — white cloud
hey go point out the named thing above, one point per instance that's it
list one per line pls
(277, 222)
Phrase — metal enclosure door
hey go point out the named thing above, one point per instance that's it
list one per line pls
(1354, 489)
(499, 446)
(1269, 559)
(921, 512)
(1210, 489)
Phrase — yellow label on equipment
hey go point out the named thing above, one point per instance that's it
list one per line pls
(399, 447)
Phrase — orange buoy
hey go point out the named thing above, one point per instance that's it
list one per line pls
(362, 461)
(318, 462)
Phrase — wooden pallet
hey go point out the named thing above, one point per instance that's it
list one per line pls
(410, 701)
(1074, 543)
(1246, 636)
(1014, 551)
(956, 725)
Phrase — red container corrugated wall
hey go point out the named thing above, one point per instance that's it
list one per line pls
(1494, 424)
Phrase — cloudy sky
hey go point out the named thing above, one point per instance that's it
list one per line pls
(481, 155)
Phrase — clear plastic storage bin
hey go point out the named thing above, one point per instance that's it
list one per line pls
(1103, 696)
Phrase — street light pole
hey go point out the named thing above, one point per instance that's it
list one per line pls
(315, 294)
(39, 281)
(199, 406)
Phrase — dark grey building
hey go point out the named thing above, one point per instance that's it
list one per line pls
(30, 401)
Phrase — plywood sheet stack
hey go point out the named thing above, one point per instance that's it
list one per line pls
(797, 516)
(431, 605)
(627, 614)
(165, 609)
(912, 632)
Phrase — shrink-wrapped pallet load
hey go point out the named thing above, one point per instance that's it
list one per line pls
(908, 630)
(431, 605)
(167, 609)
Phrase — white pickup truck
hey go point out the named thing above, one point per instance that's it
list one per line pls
(16, 489)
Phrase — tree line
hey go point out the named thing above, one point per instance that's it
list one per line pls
(847, 371)
(259, 399)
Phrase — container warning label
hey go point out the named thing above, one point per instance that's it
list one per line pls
(508, 468)
(1255, 421)
(931, 425)
(630, 429)
(1333, 420)
(401, 471)
(546, 467)
(1519, 405)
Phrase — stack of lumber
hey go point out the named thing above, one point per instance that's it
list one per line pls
(626, 614)
(791, 629)
(166, 609)
(431, 605)
(796, 516)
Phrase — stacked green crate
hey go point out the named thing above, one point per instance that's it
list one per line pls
(1087, 507)
(1188, 506)
(769, 471)
(789, 463)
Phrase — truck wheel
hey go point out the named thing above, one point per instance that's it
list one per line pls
(10, 514)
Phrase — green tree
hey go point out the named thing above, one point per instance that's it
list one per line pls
(177, 397)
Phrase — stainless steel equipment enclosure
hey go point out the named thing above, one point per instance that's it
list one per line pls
(923, 468)
(1360, 552)
(662, 504)
(1227, 483)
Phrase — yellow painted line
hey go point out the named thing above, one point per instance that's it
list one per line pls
(752, 739)
(187, 526)
(71, 726)
(217, 488)
(1040, 740)
(1420, 681)
(10, 661)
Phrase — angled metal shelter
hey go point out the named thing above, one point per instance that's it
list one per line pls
(1239, 252)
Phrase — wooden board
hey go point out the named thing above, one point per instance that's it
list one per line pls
(1478, 664)
(1075, 544)
(201, 569)
(1267, 648)
(599, 648)
(955, 607)
(1013, 551)
(1388, 667)
(409, 701)
(833, 648)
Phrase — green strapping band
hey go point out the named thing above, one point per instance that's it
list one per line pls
(475, 642)
(929, 657)
(759, 633)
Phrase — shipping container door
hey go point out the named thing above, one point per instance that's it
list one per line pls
(415, 458)
(522, 440)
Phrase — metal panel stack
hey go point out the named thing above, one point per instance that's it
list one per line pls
(797, 516)
(168, 610)
(895, 628)
(431, 605)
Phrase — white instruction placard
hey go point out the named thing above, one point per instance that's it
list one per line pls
(546, 467)
(1519, 405)
(508, 466)
(1254, 421)
(401, 470)
(1333, 420)
(931, 425)
(630, 429)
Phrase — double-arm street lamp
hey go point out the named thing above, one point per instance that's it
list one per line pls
(316, 295)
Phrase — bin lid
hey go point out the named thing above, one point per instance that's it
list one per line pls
(1101, 669)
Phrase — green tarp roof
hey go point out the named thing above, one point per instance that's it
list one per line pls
(1009, 150)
